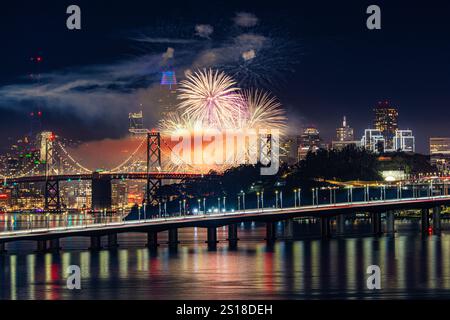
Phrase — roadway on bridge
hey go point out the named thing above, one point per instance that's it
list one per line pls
(220, 219)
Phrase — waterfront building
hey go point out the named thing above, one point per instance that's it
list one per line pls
(440, 153)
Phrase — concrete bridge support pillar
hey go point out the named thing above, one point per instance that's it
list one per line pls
(289, 229)
(42, 245)
(233, 235)
(96, 243)
(437, 219)
(173, 238)
(101, 192)
(212, 238)
(425, 225)
(376, 223)
(270, 232)
(340, 224)
(54, 245)
(390, 222)
(325, 227)
(2, 248)
(152, 240)
(112, 241)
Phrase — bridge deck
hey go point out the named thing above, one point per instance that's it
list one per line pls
(109, 175)
(220, 219)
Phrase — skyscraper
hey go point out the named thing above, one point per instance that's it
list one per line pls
(168, 93)
(344, 133)
(308, 141)
(386, 121)
(136, 122)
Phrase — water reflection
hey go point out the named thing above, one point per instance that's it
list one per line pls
(23, 221)
(411, 266)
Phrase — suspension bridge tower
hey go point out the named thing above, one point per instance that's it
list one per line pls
(48, 157)
(153, 165)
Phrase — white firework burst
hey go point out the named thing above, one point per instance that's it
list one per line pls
(264, 111)
(210, 98)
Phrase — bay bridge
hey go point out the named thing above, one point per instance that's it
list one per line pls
(328, 215)
(53, 153)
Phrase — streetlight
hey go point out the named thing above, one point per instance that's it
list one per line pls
(199, 206)
(204, 205)
(366, 193)
(331, 195)
(313, 195)
(218, 204)
(165, 208)
(262, 200)
(243, 199)
(351, 193)
(276, 198)
(184, 206)
(224, 204)
(145, 211)
(431, 188)
(281, 199)
(257, 200)
(179, 202)
(239, 202)
(295, 198)
(299, 197)
(139, 212)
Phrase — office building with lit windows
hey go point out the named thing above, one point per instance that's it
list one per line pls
(373, 140)
(386, 121)
(344, 136)
(440, 153)
(404, 141)
(308, 141)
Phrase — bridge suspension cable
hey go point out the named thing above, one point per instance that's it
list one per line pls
(178, 157)
(115, 169)
(72, 159)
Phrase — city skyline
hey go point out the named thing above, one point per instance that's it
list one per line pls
(245, 152)
(309, 84)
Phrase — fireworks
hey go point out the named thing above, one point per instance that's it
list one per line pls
(174, 122)
(210, 98)
(264, 111)
(211, 104)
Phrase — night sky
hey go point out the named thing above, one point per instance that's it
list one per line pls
(317, 57)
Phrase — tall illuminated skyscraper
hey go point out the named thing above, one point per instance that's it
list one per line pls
(308, 141)
(344, 133)
(344, 136)
(168, 93)
(386, 121)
